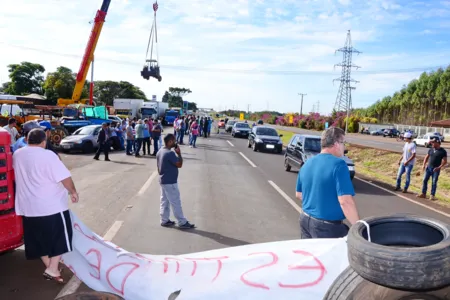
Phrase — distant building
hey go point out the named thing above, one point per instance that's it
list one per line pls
(441, 123)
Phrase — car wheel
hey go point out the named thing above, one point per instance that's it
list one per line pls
(287, 167)
(88, 147)
(248, 144)
(254, 147)
(401, 245)
(426, 145)
(349, 285)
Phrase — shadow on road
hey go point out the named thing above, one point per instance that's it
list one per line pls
(221, 239)
(22, 278)
(364, 188)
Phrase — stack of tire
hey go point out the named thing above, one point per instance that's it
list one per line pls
(407, 258)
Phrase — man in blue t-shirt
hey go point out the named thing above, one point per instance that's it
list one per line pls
(326, 190)
(168, 163)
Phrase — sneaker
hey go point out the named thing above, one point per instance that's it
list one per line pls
(405, 191)
(187, 225)
(397, 189)
(168, 223)
(433, 198)
(421, 196)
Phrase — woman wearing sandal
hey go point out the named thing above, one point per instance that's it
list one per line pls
(42, 184)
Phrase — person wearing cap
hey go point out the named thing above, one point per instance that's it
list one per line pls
(48, 131)
(26, 128)
(43, 185)
(406, 162)
(436, 159)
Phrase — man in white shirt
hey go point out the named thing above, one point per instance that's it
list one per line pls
(42, 186)
(406, 162)
(11, 128)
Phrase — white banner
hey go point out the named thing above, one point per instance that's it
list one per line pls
(298, 269)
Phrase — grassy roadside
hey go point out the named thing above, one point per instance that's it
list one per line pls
(382, 166)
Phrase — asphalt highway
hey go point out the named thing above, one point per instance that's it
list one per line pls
(235, 197)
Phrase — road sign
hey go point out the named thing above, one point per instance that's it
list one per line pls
(153, 97)
(291, 119)
(241, 117)
(326, 125)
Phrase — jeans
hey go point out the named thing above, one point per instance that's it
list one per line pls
(155, 144)
(138, 145)
(122, 142)
(402, 169)
(193, 140)
(434, 180)
(170, 196)
(146, 145)
(180, 136)
(130, 146)
(312, 228)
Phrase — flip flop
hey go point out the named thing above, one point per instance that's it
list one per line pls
(58, 279)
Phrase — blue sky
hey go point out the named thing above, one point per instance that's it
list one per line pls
(232, 54)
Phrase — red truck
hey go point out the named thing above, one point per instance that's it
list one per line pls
(11, 230)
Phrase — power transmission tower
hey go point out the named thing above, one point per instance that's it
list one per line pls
(318, 105)
(344, 98)
(301, 105)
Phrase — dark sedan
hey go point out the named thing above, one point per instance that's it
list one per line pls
(265, 138)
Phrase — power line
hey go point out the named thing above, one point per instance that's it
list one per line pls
(221, 70)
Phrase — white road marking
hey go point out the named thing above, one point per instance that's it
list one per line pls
(248, 160)
(74, 283)
(147, 183)
(405, 198)
(230, 143)
(285, 196)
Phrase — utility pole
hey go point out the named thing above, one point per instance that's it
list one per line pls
(301, 105)
(344, 98)
(318, 105)
(248, 108)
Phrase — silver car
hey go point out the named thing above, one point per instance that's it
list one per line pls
(240, 129)
(229, 125)
(83, 139)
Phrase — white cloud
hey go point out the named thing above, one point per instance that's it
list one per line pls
(226, 52)
(344, 2)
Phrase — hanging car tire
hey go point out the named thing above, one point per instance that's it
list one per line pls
(91, 296)
(350, 286)
(407, 252)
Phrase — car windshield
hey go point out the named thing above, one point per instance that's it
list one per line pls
(231, 122)
(312, 145)
(267, 131)
(84, 131)
(242, 125)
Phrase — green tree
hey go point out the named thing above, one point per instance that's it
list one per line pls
(176, 96)
(192, 106)
(4, 87)
(106, 91)
(59, 84)
(166, 97)
(26, 78)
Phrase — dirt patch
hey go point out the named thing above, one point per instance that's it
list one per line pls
(383, 166)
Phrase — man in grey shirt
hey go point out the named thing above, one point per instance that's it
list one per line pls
(406, 162)
(168, 163)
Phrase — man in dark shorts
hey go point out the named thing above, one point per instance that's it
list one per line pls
(436, 159)
(42, 186)
(168, 163)
(326, 190)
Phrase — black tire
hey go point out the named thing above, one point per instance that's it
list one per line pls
(57, 134)
(350, 286)
(88, 147)
(287, 167)
(91, 296)
(407, 252)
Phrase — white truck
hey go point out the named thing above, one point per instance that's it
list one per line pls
(128, 108)
(153, 109)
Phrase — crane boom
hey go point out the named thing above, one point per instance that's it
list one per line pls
(88, 54)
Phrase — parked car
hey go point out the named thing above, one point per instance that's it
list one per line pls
(391, 132)
(116, 119)
(439, 135)
(83, 139)
(229, 125)
(377, 132)
(425, 140)
(302, 147)
(240, 129)
(265, 138)
(221, 124)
